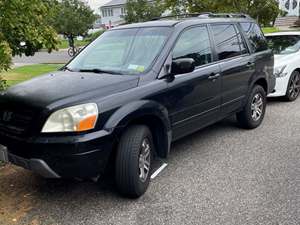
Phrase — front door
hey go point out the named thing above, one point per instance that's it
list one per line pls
(194, 98)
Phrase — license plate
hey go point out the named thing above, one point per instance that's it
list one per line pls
(3, 154)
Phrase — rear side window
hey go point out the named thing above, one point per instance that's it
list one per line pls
(256, 38)
(228, 42)
(194, 43)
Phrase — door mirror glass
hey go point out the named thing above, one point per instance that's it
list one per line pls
(181, 66)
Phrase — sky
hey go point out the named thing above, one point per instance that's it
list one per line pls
(95, 4)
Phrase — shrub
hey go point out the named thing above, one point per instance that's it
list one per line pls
(297, 23)
(3, 84)
(93, 36)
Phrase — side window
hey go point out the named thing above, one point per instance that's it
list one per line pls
(194, 43)
(257, 40)
(228, 41)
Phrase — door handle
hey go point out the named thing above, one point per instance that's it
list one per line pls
(250, 64)
(214, 76)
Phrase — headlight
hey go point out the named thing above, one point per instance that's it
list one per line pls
(279, 71)
(72, 119)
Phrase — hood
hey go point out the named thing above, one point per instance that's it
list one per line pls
(67, 87)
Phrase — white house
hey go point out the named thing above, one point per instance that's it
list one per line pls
(112, 13)
(292, 7)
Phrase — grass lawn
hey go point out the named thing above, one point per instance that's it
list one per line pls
(23, 73)
(267, 30)
(65, 44)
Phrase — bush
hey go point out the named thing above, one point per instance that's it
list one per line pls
(3, 84)
(297, 23)
(93, 36)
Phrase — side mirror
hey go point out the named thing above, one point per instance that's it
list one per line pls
(181, 66)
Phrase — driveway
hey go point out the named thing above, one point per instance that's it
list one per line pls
(220, 175)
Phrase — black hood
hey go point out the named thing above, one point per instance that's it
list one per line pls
(67, 87)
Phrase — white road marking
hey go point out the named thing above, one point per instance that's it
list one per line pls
(159, 170)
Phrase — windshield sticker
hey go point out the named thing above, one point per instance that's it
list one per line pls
(136, 68)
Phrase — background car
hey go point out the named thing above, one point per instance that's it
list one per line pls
(286, 47)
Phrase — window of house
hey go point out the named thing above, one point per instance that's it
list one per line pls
(228, 41)
(123, 11)
(257, 40)
(194, 43)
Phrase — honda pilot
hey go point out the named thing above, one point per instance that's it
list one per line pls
(129, 94)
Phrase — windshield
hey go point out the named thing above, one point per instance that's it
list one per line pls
(285, 44)
(128, 51)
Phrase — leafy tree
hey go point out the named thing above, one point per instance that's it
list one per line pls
(23, 21)
(72, 18)
(142, 10)
(264, 11)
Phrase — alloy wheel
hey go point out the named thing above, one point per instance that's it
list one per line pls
(294, 87)
(145, 160)
(257, 107)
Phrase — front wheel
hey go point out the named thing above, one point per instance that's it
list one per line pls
(133, 161)
(253, 113)
(293, 88)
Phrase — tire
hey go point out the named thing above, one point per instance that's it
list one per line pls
(249, 117)
(130, 159)
(72, 52)
(293, 88)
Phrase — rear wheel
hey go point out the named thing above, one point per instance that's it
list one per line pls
(254, 111)
(293, 89)
(133, 161)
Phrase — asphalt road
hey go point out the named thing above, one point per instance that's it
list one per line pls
(220, 175)
(60, 56)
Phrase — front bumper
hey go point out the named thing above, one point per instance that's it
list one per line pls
(61, 156)
(280, 87)
(36, 165)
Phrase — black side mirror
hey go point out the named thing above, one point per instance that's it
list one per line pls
(184, 65)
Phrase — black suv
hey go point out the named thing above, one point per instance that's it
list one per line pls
(133, 91)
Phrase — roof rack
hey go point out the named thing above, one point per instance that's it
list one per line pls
(205, 15)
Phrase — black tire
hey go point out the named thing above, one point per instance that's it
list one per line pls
(72, 52)
(248, 118)
(293, 88)
(128, 175)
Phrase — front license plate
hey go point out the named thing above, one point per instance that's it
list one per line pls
(3, 154)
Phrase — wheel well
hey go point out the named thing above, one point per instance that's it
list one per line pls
(298, 70)
(262, 82)
(159, 133)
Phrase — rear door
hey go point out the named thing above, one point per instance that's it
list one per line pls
(262, 55)
(236, 63)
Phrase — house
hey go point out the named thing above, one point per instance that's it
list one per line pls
(112, 13)
(290, 6)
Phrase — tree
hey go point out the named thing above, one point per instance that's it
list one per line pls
(264, 11)
(72, 18)
(142, 10)
(23, 30)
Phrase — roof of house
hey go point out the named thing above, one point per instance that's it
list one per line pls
(114, 2)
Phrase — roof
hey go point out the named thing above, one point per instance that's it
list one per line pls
(186, 21)
(114, 2)
(283, 33)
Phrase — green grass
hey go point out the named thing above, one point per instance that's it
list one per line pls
(23, 73)
(65, 44)
(268, 30)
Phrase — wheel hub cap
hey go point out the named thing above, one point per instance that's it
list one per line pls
(294, 88)
(144, 160)
(257, 107)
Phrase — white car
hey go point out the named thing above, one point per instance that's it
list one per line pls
(286, 47)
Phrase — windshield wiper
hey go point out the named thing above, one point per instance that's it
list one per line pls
(100, 71)
(68, 69)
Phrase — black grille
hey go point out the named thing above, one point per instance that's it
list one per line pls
(15, 122)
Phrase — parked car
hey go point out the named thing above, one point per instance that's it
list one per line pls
(132, 92)
(286, 47)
